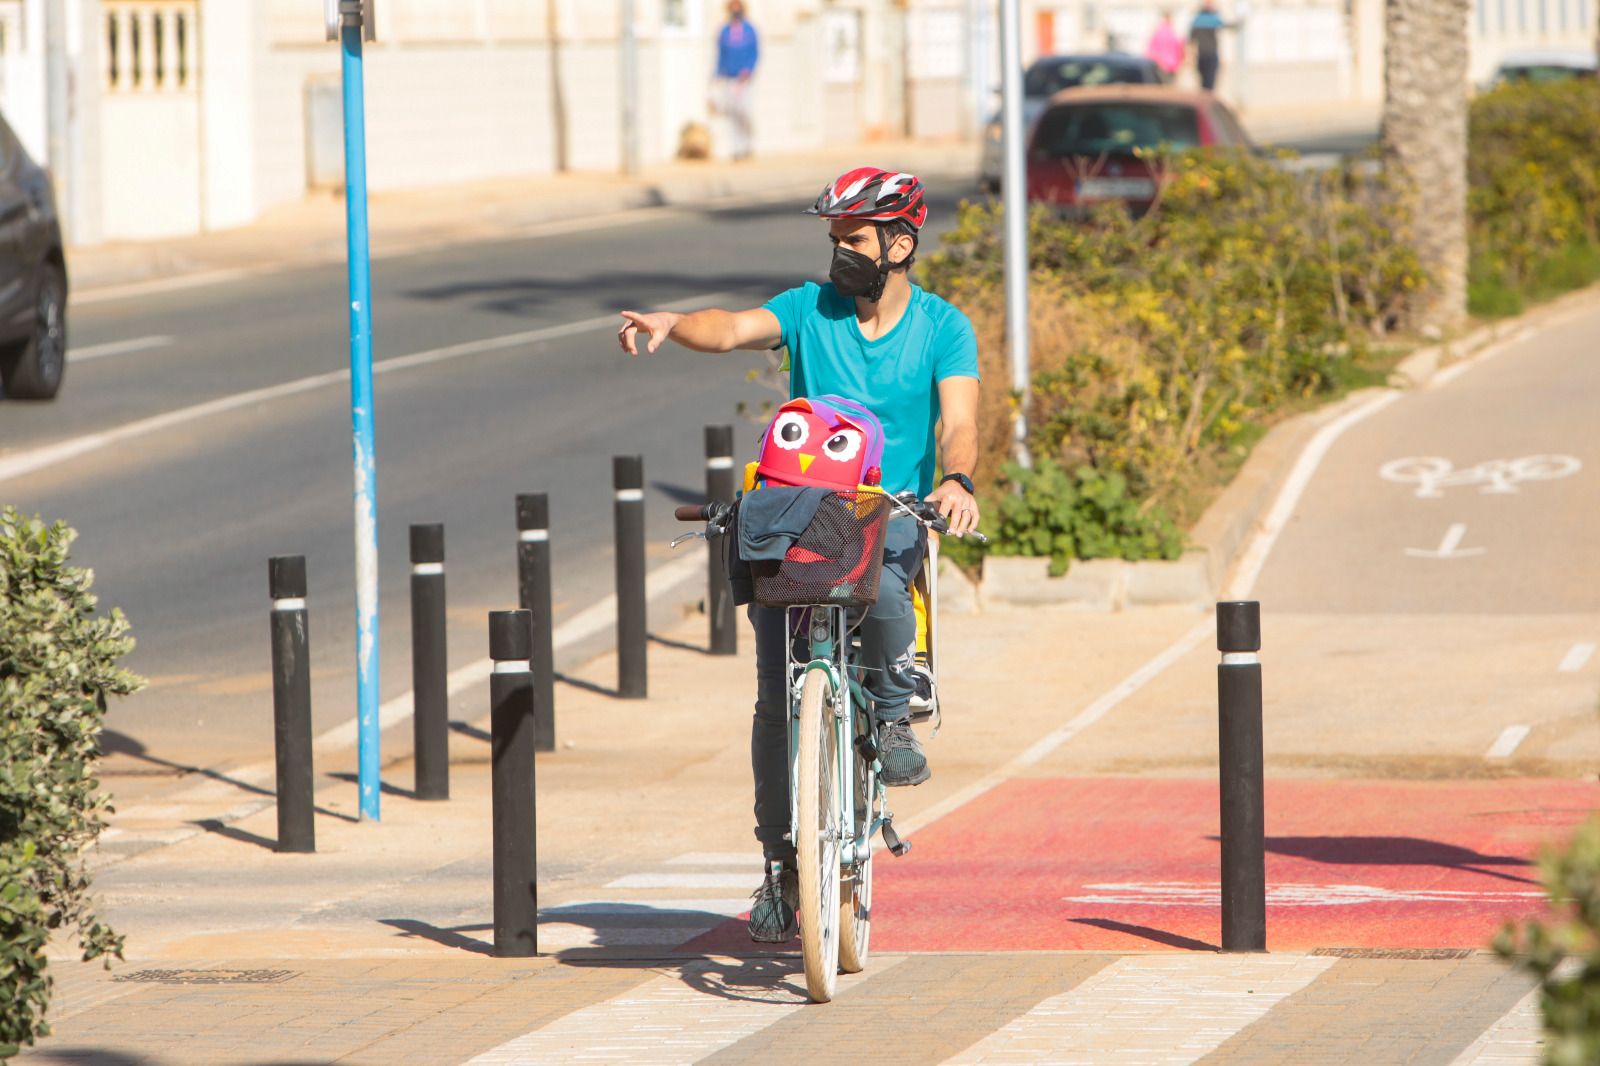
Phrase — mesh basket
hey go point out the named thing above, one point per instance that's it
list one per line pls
(837, 560)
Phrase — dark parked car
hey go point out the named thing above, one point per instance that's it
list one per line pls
(1086, 145)
(33, 278)
(1048, 76)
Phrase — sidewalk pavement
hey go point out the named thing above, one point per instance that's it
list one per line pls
(376, 949)
(313, 231)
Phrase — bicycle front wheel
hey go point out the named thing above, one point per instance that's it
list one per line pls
(819, 832)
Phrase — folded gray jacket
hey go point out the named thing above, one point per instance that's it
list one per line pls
(772, 519)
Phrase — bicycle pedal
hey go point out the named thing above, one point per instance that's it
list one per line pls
(892, 839)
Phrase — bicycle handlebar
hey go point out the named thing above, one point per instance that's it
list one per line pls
(691, 513)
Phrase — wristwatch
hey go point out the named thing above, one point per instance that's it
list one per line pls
(960, 479)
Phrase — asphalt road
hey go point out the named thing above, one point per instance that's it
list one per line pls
(178, 523)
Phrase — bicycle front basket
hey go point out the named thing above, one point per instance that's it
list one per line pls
(837, 560)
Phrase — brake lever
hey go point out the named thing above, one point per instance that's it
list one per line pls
(680, 538)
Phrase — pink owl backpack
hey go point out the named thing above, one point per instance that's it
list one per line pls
(826, 442)
(822, 442)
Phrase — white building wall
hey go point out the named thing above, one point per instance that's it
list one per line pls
(458, 90)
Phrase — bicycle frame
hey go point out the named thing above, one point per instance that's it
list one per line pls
(830, 643)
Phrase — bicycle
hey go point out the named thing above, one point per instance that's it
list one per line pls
(833, 754)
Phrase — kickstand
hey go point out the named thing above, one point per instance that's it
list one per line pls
(891, 838)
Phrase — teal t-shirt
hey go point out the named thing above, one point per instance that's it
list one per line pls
(896, 376)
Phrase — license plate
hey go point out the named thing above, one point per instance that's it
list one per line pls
(1116, 188)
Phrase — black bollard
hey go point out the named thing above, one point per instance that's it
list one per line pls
(511, 729)
(724, 639)
(430, 712)
(291, 702)
(533, 588)
(1244, 867)
(627, 478)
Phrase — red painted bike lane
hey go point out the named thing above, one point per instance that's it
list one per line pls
(1126, 864)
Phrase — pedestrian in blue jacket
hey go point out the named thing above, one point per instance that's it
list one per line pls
(738, 49)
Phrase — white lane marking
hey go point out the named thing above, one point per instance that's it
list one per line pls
(1047, 744)
(713, 858)
(1517, 1039)
(100, 351)
(27, 462)
(1209, 895)
(1154, 1010)
(586, 623)
(722, 907)
(1576, 657)
(1255, 556)
(1448, 547)
(673, 1020)
(1433, 474)
(748, 880)
(1507, 742)
(1455, 370)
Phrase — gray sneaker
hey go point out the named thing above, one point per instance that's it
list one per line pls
(773, 910)
(900, 752)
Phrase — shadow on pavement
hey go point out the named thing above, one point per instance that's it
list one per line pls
(1395, 851)
(71, 1055)
(775, 979)
(467, 729)
(1160, 936)
(383, 786)
(683, 494)
(668, 642)
(450, 938)
(587, 686)
(232, 832)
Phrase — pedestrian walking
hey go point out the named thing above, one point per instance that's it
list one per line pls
(738, 49)
(1203, 33)
(1165, 49)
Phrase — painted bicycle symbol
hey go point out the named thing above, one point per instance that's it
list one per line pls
(1432, 475)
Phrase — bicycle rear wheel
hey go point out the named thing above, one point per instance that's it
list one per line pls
(855, 903)
(819, 832)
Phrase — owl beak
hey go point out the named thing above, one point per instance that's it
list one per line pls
(806, 461)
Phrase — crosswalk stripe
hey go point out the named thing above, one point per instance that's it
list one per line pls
(747, 880)
(1154, 1010)
(670, 1021)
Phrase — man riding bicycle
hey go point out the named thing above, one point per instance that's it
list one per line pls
(873, 336)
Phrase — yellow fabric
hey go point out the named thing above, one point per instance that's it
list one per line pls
(920, 607)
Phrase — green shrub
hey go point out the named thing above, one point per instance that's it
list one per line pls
(1162, 345)
(58, 667)
(1050, 512)
(1533, 171)
(1565, 954)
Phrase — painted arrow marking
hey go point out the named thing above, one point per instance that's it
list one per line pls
(1448, 547)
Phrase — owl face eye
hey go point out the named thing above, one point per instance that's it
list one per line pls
(790, 431)
(843, 445)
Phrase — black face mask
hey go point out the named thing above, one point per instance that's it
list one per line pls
(854, 274)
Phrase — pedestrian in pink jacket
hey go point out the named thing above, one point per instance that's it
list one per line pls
(1165, 49)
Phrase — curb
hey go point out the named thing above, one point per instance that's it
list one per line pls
(1220, 537)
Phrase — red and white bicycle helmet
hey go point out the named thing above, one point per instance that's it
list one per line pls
(875, 195)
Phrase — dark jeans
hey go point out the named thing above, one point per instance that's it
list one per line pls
(888, 650)
(1207, 66)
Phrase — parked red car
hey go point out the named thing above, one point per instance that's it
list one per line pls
(1085, 145)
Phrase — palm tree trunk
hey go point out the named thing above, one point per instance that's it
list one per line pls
(1425, 142)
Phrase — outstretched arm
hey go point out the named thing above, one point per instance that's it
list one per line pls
(958, 450)
(703, 331)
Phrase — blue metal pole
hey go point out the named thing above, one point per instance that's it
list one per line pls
(361, 420)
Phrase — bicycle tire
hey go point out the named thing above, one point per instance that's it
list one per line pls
(855, 900)
(818, 836)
